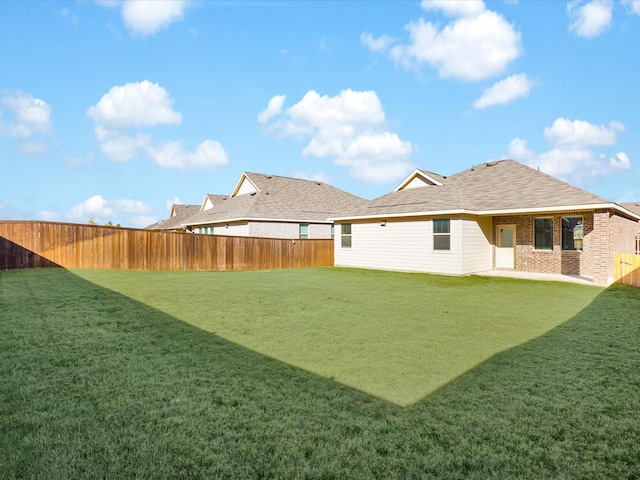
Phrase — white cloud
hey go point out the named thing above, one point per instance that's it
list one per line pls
(315, 113)
(577, 134)
(93, 207)
(590, 19)
(518, 150)
(350, 129)
(273, 108)
(32, 116)
(208, 155)
(120, 147)
(140, 104)
(455, 8)
(146, 104)
(118, 211)
(580, 164)
(632, 5)
(505, 91)
(379, 44)
(470, 48)
(147, 17)
(570, 156)
(30, 119)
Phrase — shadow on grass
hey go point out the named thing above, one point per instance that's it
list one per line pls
(97, 385)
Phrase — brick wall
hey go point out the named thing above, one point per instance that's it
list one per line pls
(528, 259)
(605, 233)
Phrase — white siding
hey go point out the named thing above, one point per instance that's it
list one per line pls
(319, 230)
(233, 230)
(287, 230)
(408, 246)
(274, 230)
(476, 245)
(400, 245)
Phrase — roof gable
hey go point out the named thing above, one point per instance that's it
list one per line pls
(420, 178)
(245, 186)
(211, 200)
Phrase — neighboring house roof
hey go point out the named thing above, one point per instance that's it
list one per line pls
(504, 186)
(211, 200)
(632, 206)
(179, 213)
(271, 197)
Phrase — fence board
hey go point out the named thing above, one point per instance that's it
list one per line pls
(627, 269)
(37, 244)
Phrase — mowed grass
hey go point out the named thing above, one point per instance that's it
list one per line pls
(97, 384)
(393, 335)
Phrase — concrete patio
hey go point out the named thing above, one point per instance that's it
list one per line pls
(553, 277)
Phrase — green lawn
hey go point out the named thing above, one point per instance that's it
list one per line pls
(396, 336)
(231, 375)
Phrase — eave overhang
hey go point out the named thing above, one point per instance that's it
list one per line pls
(481, 213)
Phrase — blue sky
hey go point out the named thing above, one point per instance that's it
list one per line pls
(114, 110)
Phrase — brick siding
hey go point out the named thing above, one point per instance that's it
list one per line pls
(605, 233)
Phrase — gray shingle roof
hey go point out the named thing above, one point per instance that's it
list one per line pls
(181, 213)
(281, 198)
(215, 199)
(489, 187)
(632, 206)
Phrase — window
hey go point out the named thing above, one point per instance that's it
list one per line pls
(441, 234)
(304, 230)
(346, 235)
(572, 233)
(543, 233)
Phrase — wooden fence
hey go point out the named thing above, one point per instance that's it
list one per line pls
(36, 244)
(627, 269)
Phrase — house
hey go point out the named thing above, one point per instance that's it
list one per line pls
(179, 213)
(497, 215)
(273, 206)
